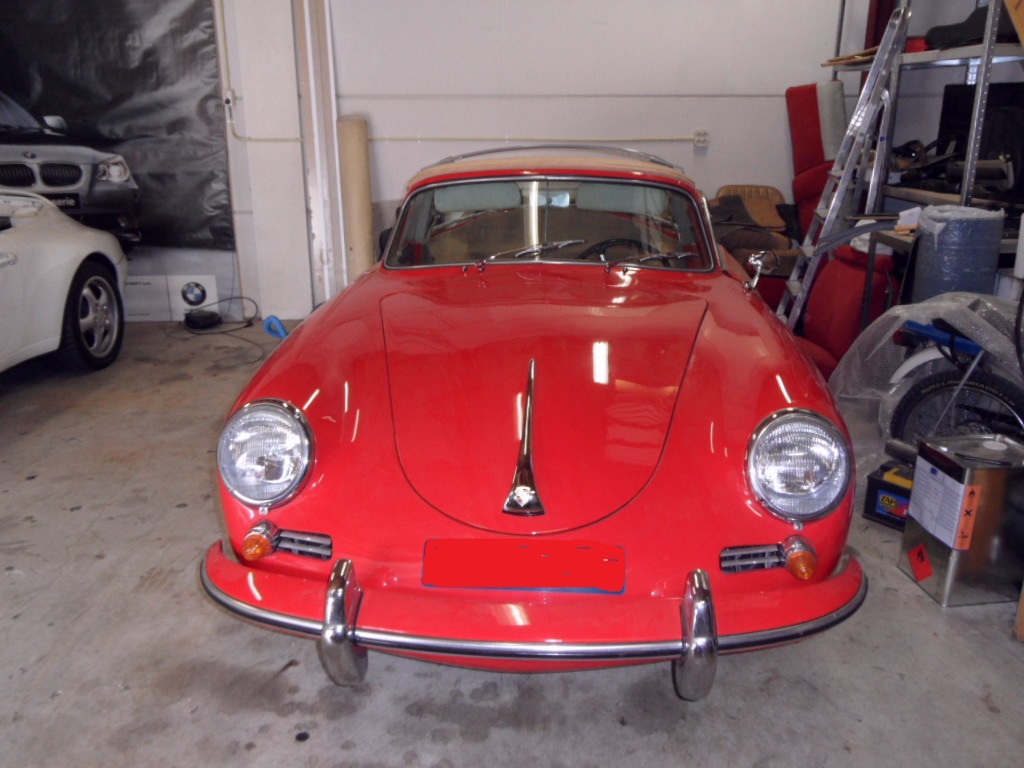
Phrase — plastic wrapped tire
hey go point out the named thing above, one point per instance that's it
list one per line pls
(986, 404)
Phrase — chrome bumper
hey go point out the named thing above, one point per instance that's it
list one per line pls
(342, 644)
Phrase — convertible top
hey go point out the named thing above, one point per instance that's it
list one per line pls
(557, 158)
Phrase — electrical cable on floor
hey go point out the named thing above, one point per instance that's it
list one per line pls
(245, 322)
(230, 329)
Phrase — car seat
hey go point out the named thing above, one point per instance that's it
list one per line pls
(832, 317)
(817, 125)
(746, 219)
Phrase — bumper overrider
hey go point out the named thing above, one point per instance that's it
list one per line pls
(342, 644)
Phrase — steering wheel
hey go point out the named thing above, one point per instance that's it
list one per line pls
(622, 242)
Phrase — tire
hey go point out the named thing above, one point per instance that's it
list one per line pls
(987, 404)
(93, 320)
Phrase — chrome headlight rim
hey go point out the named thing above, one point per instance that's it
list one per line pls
(305, 433)
(829, 428)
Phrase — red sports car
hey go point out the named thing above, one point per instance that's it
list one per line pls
(555, 428)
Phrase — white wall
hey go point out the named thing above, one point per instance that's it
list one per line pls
(581, 69)
(438, 77)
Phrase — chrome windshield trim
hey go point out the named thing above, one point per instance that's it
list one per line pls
(655, 650)
(707, 243)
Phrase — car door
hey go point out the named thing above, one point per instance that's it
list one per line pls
(12, 301)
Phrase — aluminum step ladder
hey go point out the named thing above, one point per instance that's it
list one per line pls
(854, 171)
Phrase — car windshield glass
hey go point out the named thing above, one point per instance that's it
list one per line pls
(14, 117)
(551, 219)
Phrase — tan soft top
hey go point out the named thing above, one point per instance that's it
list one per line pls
(524, 161)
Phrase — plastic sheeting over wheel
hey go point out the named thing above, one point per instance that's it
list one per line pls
(140, 78)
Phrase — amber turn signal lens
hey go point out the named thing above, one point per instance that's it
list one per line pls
(800, 558)
(258, 542)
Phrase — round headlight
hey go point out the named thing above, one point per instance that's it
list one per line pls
(798, 464)
(264, 452)
(113, 169)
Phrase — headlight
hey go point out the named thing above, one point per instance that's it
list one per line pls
(264, 452)
(113, 169)
(798, 464)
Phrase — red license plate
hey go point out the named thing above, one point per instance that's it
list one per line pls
(524, 564)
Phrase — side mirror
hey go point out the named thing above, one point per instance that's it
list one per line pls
(55, 123)
(763, 261)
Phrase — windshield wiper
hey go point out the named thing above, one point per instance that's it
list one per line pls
(530, 250)
(675, 256)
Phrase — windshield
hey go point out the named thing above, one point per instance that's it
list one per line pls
(14, 116)
(551, 219)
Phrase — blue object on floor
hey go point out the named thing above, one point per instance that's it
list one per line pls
(273, 326)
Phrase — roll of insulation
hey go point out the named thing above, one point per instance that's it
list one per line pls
(357, 209)
(957, 250)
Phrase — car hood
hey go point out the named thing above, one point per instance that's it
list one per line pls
(607, 365)
(21, 145)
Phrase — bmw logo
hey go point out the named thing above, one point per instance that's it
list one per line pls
(193, 293)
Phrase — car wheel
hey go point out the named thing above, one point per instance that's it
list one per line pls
(93, 319)
(985, 404)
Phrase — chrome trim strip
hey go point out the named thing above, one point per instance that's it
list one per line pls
(294, 624)
(668, 649)
(389, 641)
(523, 499)
(790, 634)
(300, 543)
(654, 650)
(751, 558)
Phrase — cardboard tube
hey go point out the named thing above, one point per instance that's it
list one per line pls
(356, 205)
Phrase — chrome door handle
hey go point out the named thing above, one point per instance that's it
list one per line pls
(8, 259)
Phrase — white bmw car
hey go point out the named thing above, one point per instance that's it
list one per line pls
(61, 285)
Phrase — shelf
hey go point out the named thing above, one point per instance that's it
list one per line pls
(902, 243)
(927, 197)
(1002, 53)
(958, 57)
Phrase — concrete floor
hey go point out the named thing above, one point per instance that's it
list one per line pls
(111, 654)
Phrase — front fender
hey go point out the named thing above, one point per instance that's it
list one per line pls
(914, 362)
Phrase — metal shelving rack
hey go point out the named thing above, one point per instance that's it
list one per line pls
(978, 60)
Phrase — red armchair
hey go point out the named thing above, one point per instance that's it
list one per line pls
(817, 125)
(832, 318)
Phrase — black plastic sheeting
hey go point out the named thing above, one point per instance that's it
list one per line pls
(140, 78)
